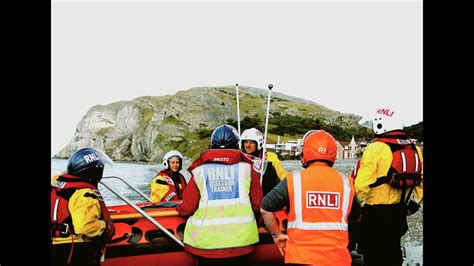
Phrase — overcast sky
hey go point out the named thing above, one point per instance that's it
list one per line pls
(350, 56)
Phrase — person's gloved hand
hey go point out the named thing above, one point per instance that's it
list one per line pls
(412, 207)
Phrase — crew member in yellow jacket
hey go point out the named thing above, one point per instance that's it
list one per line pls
(252, 145)
(80, 222)
(389, 182)
(169, 183)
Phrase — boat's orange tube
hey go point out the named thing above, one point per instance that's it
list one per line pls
(139, 242)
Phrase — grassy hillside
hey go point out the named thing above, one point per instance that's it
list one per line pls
(415, 131)
(145, 128)
(289, 118)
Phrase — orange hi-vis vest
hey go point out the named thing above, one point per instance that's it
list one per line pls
(320, 202)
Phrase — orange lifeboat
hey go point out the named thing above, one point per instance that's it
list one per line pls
(138, 239)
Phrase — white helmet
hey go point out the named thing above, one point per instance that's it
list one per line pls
(385, 120)
(253, 134)
(170, 154)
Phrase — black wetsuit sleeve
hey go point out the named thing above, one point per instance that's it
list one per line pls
(356, 210)
(270, 179)
(277, 198)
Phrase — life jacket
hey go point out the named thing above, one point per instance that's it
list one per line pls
(405, 170)
(224, 218)
(175, 189)
(270, 177)
(257, 162)
(61, 191)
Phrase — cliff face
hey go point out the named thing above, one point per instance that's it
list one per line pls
(146, 127)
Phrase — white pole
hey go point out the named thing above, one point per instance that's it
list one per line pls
(270, 86)
(238, 114)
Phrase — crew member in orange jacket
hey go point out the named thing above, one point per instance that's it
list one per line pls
(80, 221)
(321, 200)
(169, 183)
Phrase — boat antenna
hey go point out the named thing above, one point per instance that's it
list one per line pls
(270, 86)
(238, 113)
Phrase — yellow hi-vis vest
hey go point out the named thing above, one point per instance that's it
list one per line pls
(224, 218)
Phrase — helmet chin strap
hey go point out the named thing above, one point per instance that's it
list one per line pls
(305, 164)
(94, 182)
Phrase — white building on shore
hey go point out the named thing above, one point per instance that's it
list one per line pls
(345, 150)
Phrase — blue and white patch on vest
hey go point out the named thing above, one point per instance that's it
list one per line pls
(222, 181)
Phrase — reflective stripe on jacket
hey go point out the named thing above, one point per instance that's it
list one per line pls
(320, 202)
(224, 218)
